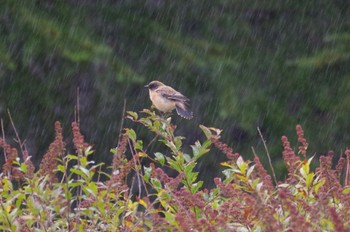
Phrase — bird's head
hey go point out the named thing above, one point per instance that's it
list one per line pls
(154, 85)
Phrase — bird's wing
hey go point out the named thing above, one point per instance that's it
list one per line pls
(176, 97)
(172, 94)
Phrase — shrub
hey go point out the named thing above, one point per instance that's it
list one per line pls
(67, 193)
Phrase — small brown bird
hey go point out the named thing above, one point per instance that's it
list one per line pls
(166, 99)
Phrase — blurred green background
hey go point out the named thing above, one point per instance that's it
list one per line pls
(243, 63)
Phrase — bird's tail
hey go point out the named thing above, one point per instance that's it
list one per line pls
(183, 110)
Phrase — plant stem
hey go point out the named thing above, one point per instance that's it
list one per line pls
(268, 156)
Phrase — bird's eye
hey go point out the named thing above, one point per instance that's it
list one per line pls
(152, 86)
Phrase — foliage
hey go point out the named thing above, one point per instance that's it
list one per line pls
(67, 193)
(243, 64)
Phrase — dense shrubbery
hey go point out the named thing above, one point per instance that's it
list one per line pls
(69, 193)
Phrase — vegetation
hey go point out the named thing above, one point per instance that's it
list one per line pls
(160, 190)
(243, 64)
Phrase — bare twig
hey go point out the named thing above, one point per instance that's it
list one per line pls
(347, 171)
(3, 136)
(122, 122)
(253, 150)
(152, 141)
(16, 133)
(3, 130)
(136, 170)
(77, 110)
(268, 155)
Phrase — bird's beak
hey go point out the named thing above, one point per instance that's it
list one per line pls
(146, 86)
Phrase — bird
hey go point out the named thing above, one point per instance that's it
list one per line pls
(166, 99)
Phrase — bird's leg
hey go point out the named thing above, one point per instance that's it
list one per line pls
(166, 115)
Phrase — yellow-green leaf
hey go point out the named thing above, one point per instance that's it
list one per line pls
(309, 179)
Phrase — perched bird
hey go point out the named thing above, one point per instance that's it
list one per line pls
(166, 99)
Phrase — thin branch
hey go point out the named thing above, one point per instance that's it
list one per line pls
(152, 141)
(122, 122)
(3, 137)
(16, 133)
(3, 130)
(268, 155)
(347, 171)
(77, 116)
(136, 170)
(120, 132)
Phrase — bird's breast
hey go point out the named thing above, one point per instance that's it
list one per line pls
(161, 103)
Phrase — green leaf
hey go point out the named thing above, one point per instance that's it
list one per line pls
(206, 131)
(174, 164)
(196, 148)
(196, 186)
(156, 183)
(147, 174)
(187, 157)
(105, 174)
(170, 218)
(178, 142)
(199, 150)
(71, 157)
(83, 161)
(309, 179)
(61, 168)
(81, 172)
(318, 185)
(188, 169)
(92, 188)
(134, 115)
(305, 169)
(242, 165)
(139, 145)
(310, 159)
(147, 122)
(120, 210)
(131, 133)
(88, 151)
(250, 170)
(20, 199)
(75, 184)
(207, 144)
(228, 173)
(346, 190)
(157, 125)
(159, 157)
(23, 167)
